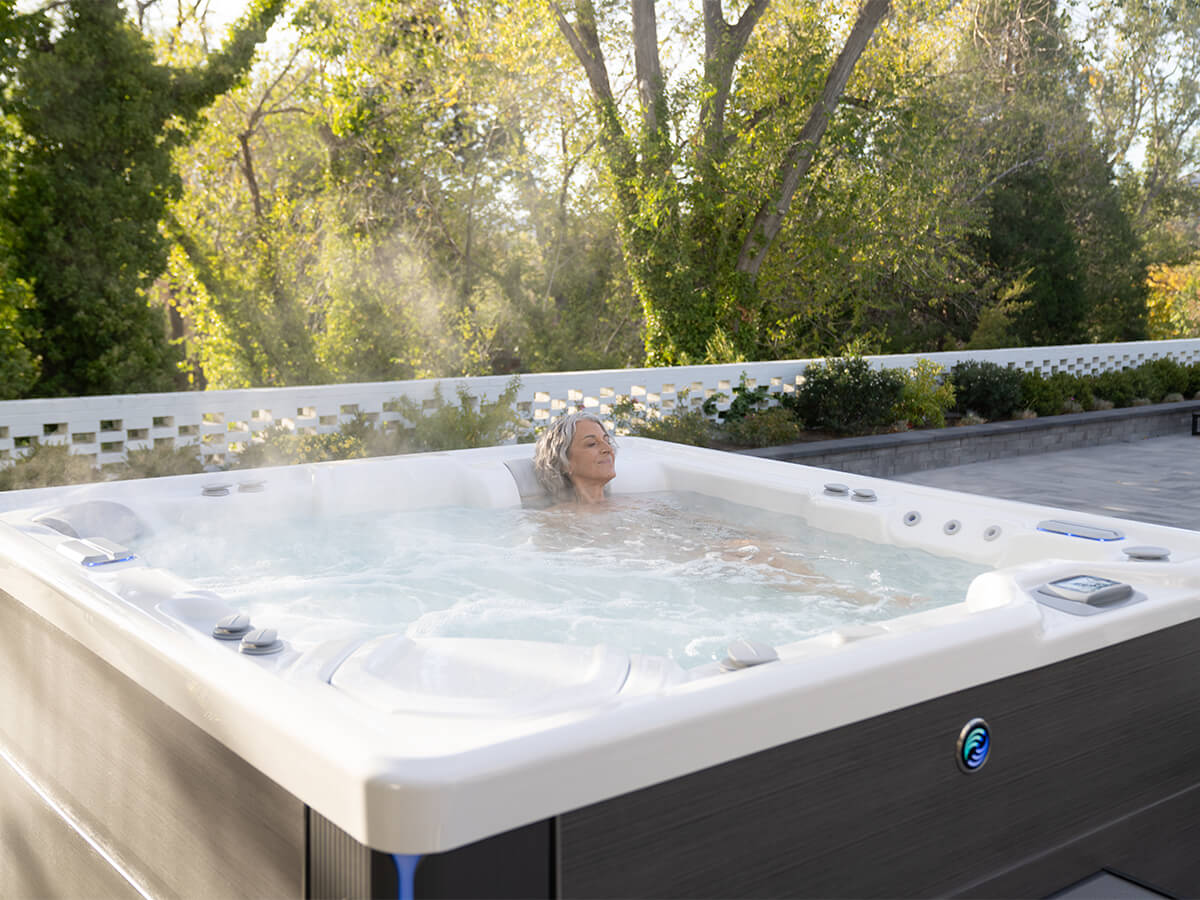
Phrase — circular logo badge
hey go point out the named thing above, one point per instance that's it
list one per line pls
(974, 743)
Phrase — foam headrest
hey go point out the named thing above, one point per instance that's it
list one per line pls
(94, 518)
(528, 486)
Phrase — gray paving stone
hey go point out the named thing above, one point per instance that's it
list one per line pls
(1151, 480)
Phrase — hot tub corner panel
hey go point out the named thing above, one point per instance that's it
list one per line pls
(108, 770)
(521, 864)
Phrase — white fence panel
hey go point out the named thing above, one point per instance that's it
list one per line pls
(218, 422)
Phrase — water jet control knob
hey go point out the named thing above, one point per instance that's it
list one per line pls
(1148, 554)
(261, 642)
(232, 627)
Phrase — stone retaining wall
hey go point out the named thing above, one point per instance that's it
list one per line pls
(885, 455)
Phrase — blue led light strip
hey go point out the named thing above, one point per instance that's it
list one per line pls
(109, 562)
(1086, 537)
(406, 869)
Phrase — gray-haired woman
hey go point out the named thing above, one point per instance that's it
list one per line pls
(575, 458)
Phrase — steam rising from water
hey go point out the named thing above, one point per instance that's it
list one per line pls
(667, 574)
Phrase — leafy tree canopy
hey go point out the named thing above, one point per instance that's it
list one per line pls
(95, 120)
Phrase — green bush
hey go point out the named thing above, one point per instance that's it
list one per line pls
(46, 465)
(1118, 388)
(763, 428)
(1193, 381)
(1051, 396)
(986, 389)
(925, 396)
(1158, 377)
(846, 396)
(278, 446)
(157, 462)
(745, 400)
(690, 426)
(474, 422)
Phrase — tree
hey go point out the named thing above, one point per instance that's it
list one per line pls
(411, 187)
(97, 120)
(700, 213)
(876, 256)
(1143, 91)
(18, 364)
(1065, 261)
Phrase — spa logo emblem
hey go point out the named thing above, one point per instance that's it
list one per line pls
(974, 744)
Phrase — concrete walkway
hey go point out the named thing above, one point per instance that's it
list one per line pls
(1152, 480)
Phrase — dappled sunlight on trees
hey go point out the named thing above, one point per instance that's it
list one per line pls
(406, 188)
(94, 119)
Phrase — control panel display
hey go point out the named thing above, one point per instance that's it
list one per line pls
(1090, 589)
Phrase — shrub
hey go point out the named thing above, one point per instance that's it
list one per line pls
(1193, 380)
(924, 396)
(747, 400)
(158, 461)
(690, 426)
(474, 422)
(763, 428)
(846, 396)
(1116, 387)
(1048, 396)
(985, 388)
(276, 445)
(46, 465)
(1158, 377)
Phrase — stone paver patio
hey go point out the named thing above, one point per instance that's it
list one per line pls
(1151, 480)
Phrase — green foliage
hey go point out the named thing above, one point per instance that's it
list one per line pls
(745, 400)
(925, 396)
(19, 366)
(95, 121)
(986, 389)
(46, 465)
(474, 422)
(763, 428)
(1117, 388)
(440, 425)
(846, 396)
(686, 426)
(1056, 394)
(1152, 380)
(384, 206)
(1029, 236)
(1156, 378)
(157, 462)
(279, 446)
(1134, 52)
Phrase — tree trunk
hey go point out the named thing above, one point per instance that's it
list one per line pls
(769, 219)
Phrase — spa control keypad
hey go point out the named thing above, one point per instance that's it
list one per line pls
(1085, 595)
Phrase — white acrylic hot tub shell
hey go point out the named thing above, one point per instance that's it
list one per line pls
(375, 753)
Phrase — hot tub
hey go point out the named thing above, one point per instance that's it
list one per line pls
(1036, 731)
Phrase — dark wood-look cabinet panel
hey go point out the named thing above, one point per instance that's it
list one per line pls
(1093, 764)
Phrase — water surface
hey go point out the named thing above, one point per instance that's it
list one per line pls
(679, 575)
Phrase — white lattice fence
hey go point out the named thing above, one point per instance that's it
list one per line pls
(219, 422)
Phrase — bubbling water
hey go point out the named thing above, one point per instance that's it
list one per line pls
(677, 575)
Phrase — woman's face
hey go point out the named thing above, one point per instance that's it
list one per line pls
(591, 459)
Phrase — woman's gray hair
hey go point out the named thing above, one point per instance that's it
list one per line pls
(550, 453)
